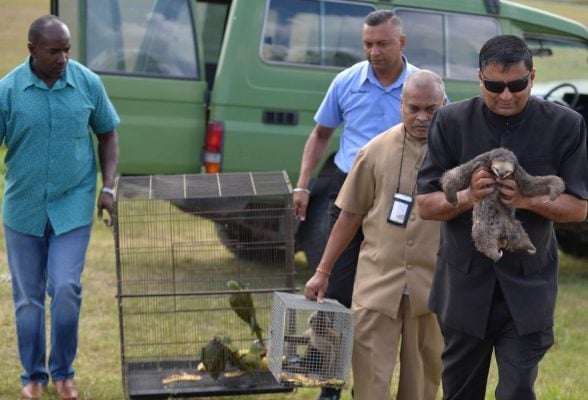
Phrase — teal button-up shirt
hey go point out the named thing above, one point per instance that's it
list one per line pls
(50, 162)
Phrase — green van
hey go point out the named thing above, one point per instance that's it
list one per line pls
(233, 85)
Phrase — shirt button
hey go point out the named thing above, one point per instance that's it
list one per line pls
(410, 243)
(412, 217)
(409, 266)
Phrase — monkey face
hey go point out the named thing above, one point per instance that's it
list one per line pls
(319, 321)
(502, 169)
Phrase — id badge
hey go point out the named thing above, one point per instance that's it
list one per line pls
(400, 210)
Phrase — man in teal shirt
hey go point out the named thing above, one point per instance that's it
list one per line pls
(49, 104)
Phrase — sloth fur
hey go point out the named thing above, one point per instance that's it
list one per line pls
(494, 224)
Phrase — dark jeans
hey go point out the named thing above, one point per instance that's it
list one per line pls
(466, 359)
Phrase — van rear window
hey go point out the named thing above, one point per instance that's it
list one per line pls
(314, 33)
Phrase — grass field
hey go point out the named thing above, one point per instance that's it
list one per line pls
(562, 374)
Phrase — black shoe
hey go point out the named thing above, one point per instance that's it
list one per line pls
(330, 394)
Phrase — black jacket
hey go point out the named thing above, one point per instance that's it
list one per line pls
(548, 139)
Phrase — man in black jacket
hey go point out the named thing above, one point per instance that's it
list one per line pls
(508, 306)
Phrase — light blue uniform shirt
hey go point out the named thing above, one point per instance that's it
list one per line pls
(50, 163)
(357, 99)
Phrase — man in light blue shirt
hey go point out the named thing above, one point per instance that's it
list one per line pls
(365, 98)
(49, 104)
(357, 99)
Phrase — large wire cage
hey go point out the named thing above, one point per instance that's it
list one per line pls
(192, 253)
(310, 343)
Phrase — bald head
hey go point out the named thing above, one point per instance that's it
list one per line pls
(44, 24)
(424, 80)
(423, 92)
(49, 45)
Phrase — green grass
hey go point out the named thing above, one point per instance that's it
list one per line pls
(98, 365)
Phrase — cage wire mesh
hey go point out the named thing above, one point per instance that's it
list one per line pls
(180, 239)
(310, 343)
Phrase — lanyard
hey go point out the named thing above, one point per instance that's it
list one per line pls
(401, 162)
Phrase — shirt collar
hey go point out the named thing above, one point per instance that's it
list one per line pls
(367, 75)
(512, 120)
(30, 79)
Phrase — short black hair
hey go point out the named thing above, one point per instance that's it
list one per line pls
(38, 26)
(505, 50)
(378, 17)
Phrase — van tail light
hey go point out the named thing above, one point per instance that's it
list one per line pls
(213, 145)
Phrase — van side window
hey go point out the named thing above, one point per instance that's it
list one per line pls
(446, 43)
(141, 37)
(313, 33)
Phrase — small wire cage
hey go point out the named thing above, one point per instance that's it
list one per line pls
(180, 240)
(310, 343)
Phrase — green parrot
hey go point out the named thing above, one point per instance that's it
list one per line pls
(250, 361)
(231, 352)
(242, 304)
(215, 356)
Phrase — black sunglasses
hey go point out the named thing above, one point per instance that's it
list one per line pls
(513, 86)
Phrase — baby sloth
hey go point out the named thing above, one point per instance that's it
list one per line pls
(494, 224)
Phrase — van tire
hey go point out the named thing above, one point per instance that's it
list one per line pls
(251, 241)
(572, 238)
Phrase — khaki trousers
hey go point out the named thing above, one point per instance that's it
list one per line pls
(375, 353)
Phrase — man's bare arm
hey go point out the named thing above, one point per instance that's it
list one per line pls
(314, 149)
(341, 235)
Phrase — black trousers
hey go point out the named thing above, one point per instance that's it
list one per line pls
(343, 273)
(466, 359)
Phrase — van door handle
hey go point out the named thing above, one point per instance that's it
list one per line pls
(279, 117)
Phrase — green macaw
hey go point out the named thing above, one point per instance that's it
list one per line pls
(242, 304)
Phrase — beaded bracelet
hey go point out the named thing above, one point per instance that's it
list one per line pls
(323, 271)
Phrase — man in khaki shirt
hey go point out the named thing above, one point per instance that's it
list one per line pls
(397, 256)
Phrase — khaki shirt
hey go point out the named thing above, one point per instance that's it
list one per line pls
(392, 257)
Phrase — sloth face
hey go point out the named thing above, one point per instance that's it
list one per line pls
(502, 169)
